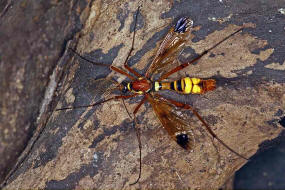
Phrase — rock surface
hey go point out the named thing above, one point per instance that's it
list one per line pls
(97, 147)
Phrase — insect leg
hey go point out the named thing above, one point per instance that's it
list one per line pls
(188, 107)
(182, 66)
(97, 103)
(138, 137)
(116, 69)
(85, 59)
(125, 63)
(132, 48)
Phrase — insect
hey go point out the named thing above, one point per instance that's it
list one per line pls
(148, 88)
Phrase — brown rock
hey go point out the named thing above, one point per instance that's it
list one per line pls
(97, 147)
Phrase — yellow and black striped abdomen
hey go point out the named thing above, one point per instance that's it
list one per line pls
(187, 85)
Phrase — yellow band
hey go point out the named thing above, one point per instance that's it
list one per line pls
(188, 85)
(196, 80)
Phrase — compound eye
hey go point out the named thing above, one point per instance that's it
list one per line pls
(125, 89)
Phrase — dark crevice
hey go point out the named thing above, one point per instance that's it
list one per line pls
(282, 122)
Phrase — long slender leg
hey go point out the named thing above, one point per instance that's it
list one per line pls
(182, 66)
(139, 105)
(122, 72)
(188, 107)
(126, 60)
(100, 102)
(92, 62)
(132, 48)
(104, 65)
(138, 137)
(127, 109)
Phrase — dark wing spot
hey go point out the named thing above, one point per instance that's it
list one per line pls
(181, 25)
(183, 140)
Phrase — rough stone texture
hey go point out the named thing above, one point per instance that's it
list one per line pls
(266, 170)
(33, 36)
(97, 147)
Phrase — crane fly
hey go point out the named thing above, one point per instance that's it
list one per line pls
(148, 88)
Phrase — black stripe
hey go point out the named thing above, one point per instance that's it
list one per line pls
(179, 86)
(160, 85)
(131, 86)
(172, 86)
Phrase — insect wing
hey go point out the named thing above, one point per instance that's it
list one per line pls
(101, 87)
(172, 122)
(171, 46)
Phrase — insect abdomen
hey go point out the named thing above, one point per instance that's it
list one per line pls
(187, 85)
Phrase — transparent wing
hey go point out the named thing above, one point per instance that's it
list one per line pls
(175, 126)
(102, 87)
(170, 47)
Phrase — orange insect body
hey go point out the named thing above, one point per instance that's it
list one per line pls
(185, 85)
(145, 86)
(139, 86)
